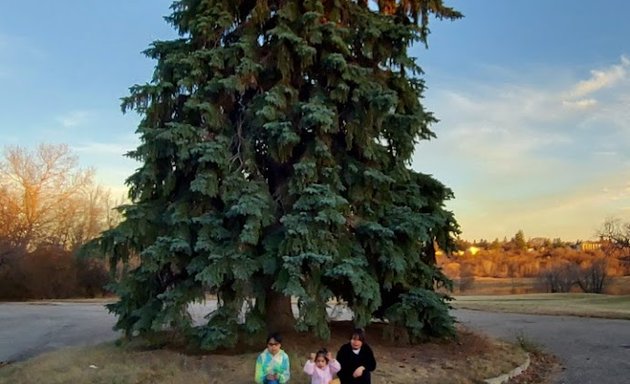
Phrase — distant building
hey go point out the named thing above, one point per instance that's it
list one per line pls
(589, 245)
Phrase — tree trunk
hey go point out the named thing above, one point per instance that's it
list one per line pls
(279, 316)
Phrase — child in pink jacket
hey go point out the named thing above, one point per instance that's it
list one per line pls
(321, 367)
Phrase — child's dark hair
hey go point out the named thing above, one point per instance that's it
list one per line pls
(276, 336)
(358, 333)
(323, 353)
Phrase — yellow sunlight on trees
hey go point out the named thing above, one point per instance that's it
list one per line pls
(45, 198)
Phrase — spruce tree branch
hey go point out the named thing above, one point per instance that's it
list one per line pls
(238, 155)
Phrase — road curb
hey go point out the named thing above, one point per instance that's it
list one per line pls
(502, 379)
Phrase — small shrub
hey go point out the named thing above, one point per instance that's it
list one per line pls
(558, 278)
(12, 280)
(49, 272)
(593, 277)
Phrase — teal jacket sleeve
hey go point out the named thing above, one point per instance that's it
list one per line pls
(284, 373)
(259, 373)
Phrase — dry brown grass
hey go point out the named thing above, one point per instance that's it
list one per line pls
(467, 360)
(572, 304)
(618, 285)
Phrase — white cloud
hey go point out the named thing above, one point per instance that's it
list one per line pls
(101, 149)
(502, 124)
(74, 119)
(530, 156)
(118, 148)
(605, 153)
(614, 112)
(107, 158)
(618, 192)
(509, 120)
(580, 104)
(601, 79)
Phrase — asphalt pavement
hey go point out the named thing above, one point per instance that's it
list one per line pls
(29, 329)
(592, 351)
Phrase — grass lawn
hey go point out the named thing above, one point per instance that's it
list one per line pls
(574, 304)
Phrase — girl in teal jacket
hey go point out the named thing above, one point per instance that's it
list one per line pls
(272, 365)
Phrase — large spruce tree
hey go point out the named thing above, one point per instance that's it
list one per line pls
(275, 163)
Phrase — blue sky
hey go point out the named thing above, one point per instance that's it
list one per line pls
(533, 99)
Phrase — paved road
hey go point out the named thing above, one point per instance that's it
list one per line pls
(28, 329)
(594, 351)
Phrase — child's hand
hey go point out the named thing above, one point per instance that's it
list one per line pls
(329, 356)
(358, 372)
(312, 357)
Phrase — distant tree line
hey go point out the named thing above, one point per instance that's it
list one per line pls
(49, 208)
(555, 265)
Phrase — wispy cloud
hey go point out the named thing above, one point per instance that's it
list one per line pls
(523, 155)
(580, 104)
(74, 119)
(113, 148)
(600, 79)
(502, 125)
(111, 166)
(511, 120)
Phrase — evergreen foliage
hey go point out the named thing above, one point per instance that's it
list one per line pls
(275, 150)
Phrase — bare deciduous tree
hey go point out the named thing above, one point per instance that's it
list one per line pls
(558, 277)
(49, 207)
(45, 198)
(615, 235)
(593, 277)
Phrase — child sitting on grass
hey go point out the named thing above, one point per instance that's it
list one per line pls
(272, 365)
(321, 367)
